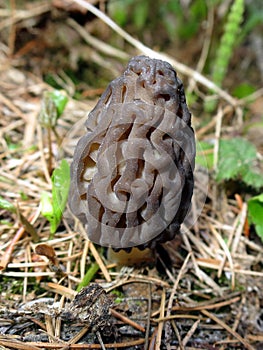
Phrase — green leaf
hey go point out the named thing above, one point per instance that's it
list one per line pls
(61, 181)
(255, 212)
(23, 196)
(253, 179)
(243, 90)
(60, 99)
(6, 205)
(47, 210)
(88, 276)
(235, 159)
(52, 209)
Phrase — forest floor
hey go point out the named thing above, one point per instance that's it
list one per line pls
(208, 293)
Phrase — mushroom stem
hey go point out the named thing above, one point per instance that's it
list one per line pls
(135, 257)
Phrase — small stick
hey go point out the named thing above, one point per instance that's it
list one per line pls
(100, 262)
(100, 340)
(240, 204)
(197, 307)
(45, 345)
(49, 327)
(50, 153)
(76, 338)
(227, 254)
(176, 331)
(161, 324)
(83, 260)
(239, 229)
(97, 257)
(153, 339)
(127, 320)
(8, 253)
(190, 332)
(148, 324)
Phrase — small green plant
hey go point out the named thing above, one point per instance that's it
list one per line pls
(228, 40)
(52, 107)
(243, 90)
(255, 213)
(226, 47)
(52, 209)
(237, 158)
(93, 269)
(6, 205)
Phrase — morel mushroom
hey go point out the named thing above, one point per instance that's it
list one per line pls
(132, 173)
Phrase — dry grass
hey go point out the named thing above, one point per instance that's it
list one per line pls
(210, 294)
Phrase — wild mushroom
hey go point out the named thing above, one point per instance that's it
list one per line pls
(132, 173)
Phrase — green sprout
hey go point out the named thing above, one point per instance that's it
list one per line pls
(52, 209)
(52, 107)
(255, 214)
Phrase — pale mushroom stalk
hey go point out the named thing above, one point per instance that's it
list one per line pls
(132, 173)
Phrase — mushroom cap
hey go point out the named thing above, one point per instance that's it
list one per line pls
(132, 172)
